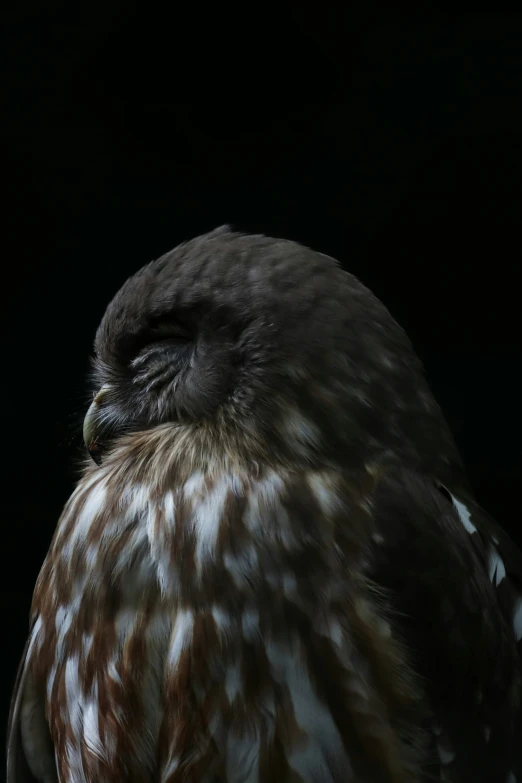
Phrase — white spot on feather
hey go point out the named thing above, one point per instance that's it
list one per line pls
(208, 516)
(269, 489)
(159, 537)
(167, 574)
(113, 673)
(91, 556)
(181, 635)
(331, 629)
(87, 640)
(222, 619)
(125, 623)
(169, 509)
(91, 730)
(74, 703)
(324, 491)
(169, 770)
(139, 501)
(63, 620)
(301, 432)
(497, 569)
(194, 485)
(37, 635)
(313, 760)
(464, 515)
(265, 515)
(94, 503)
(95, 498)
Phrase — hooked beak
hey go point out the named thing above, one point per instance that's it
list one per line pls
(91, 426)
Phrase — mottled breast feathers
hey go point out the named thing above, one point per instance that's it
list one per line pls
(238, 629)
(304, 624)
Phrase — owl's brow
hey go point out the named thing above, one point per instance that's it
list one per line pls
(129, 344)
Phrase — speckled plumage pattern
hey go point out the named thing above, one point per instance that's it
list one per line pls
(278, 571)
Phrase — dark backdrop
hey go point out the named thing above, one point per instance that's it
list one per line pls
(392, 141)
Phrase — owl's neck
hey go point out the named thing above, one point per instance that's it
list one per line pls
(225, 537)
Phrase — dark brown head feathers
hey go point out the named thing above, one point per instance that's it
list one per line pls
(236, 331)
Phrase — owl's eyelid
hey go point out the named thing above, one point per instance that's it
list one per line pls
(155, 346)
(163, 332)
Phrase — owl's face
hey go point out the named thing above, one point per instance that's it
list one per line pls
(262, 341)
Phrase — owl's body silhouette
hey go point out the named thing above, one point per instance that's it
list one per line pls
(276, 569)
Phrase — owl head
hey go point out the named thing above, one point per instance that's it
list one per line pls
(259, 347)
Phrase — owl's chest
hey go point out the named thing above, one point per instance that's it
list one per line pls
(140, 680)
(162, 635)
(119, 576)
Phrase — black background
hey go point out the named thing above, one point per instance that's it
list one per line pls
(389, 139)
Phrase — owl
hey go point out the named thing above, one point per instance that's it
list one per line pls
(273, 568)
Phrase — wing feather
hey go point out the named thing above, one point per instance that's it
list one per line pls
(17, 767)
(26, 727)
(441, 562)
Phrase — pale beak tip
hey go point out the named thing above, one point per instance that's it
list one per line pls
(90, 425)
